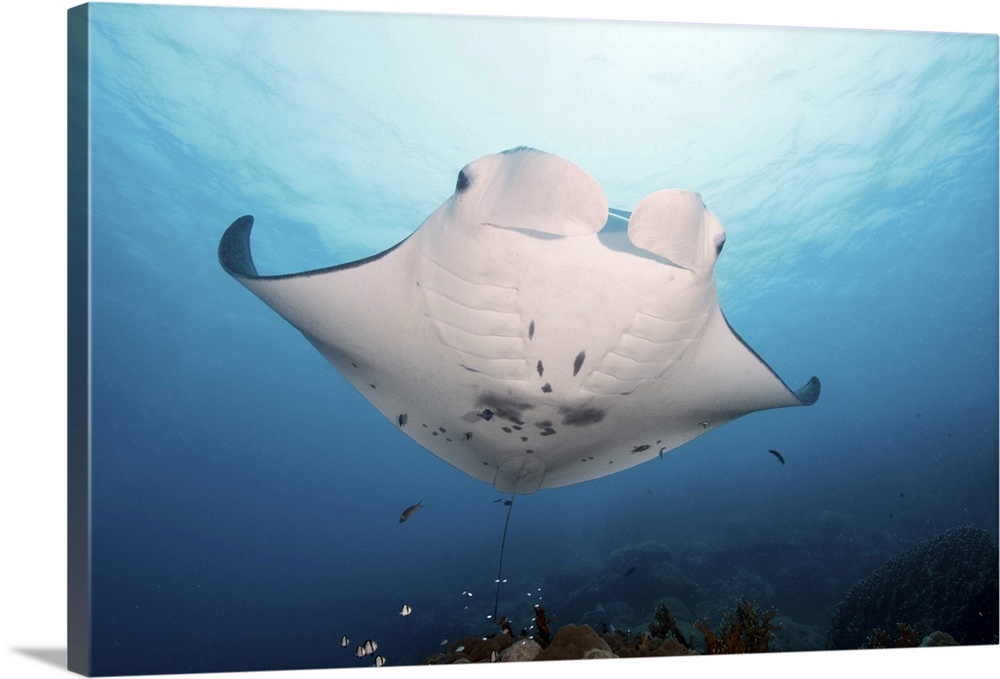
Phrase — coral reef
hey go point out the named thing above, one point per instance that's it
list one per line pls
(520, 650)
(906, 637)
(575, 642)
(641, 555)
(664, 626)
(740, 584)
(644, 646)
(541, 624)
(472, 650)
(745, 630)
(610, 616)
(632, 576)
(939, 638)
(946, 583)
(796, 636)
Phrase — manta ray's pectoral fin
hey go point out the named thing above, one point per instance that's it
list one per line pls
(332, 306)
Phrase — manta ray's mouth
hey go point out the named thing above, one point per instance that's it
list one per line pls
(533, 233)
(617, 222)
(613, 236)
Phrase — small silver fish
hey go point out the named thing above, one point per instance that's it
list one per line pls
(379, 660)
(405, 610)
(344, 641)
(360, 653)
(408, 512)
(370, 647)
(494, 655)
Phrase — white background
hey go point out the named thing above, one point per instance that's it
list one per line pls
(33, 331)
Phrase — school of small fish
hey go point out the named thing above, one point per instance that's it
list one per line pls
(370, 645)
(367, 648)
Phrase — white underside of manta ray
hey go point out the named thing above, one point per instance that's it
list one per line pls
(522, 335)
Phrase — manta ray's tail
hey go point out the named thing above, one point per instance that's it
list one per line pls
(503, 541)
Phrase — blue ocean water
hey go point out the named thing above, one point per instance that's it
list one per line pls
(246, 498)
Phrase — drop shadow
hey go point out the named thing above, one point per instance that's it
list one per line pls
(50, 656)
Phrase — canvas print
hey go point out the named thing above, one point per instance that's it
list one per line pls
(400, 339)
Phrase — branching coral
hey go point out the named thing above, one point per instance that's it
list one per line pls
(542, 625)
(664, 626)
(947, 583)
(906, 637)
(745, 630)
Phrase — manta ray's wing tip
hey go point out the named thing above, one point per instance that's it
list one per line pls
(809, 392)
(234, 248)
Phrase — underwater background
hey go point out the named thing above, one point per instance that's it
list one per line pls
(246, 499)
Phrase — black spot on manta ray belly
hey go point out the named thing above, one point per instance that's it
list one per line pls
(578, 362)
(546, 427)
(540, 368)
(402, 420)
(547, 388)
(581, 417)
(503, 406)
(531, 333)
(639, 449)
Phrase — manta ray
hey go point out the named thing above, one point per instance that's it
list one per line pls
(530, 335)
